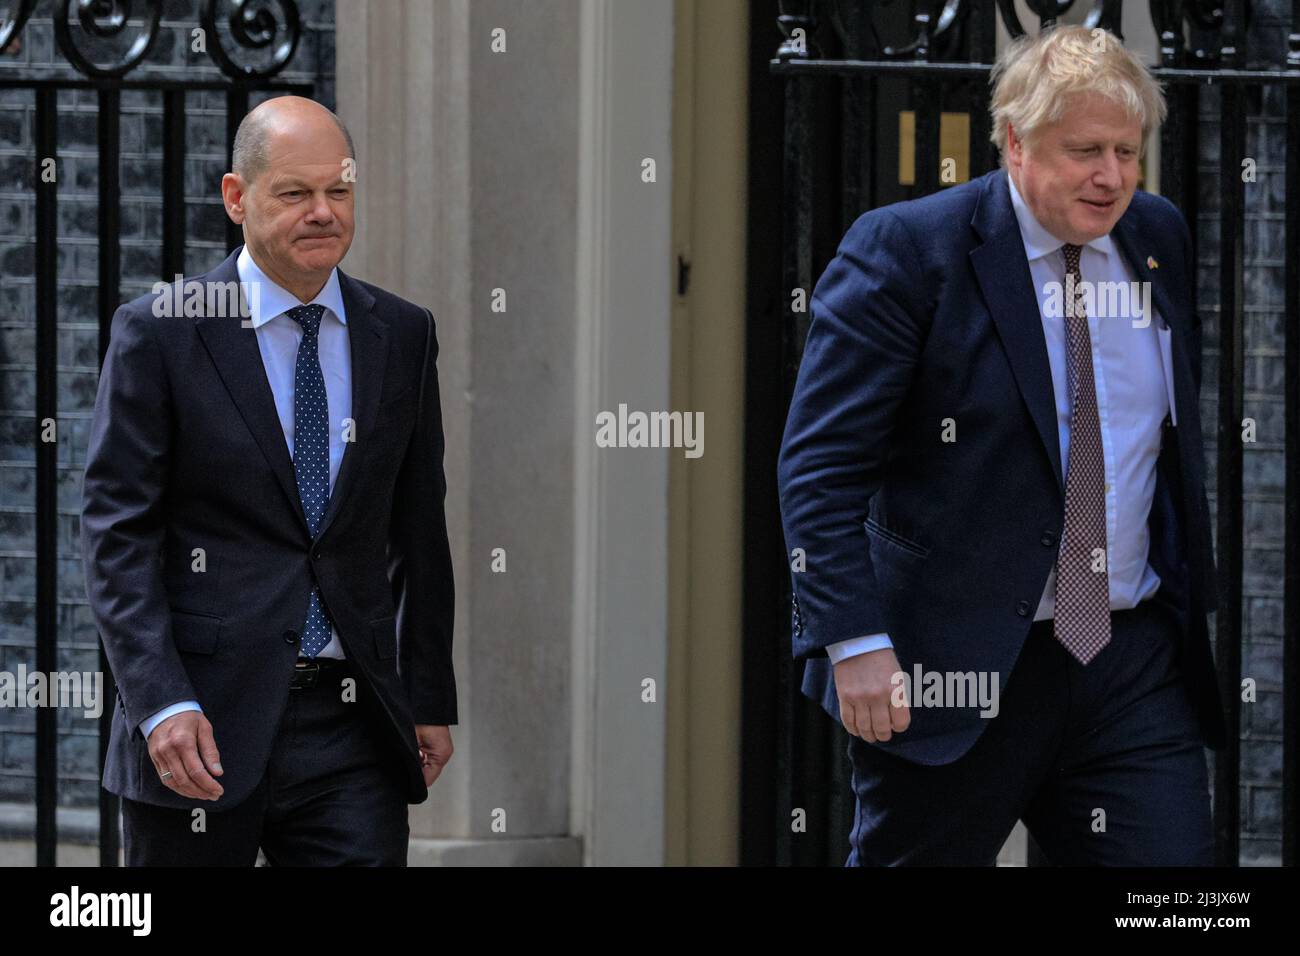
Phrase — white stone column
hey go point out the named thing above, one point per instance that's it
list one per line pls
(519, 171)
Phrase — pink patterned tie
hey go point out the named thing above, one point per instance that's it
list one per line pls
(1082, 621)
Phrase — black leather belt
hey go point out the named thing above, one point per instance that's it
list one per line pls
(309, 673)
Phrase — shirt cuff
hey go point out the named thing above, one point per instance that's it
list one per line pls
(857, 645)
(149, 723)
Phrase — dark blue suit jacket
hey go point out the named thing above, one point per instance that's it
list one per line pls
(928, 312)
(186, 451)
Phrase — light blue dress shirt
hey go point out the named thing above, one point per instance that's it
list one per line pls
(1133, 369)
(277, 339)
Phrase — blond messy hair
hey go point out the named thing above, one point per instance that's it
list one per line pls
(1036, 78)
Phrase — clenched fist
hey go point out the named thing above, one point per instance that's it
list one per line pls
(864, 684)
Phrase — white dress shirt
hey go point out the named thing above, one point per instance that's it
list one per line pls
(1133, 369)
(277, 340)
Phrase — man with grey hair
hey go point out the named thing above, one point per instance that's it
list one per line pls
(992, 467)
(265, 543)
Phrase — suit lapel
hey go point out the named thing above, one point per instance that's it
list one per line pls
(368, 346)
(234, 351)
(1004, 278)
(1187, 436)
(1126, 236)
(1003, 274)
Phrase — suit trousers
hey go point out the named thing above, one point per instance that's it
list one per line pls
(1105, 764)
(333, 794)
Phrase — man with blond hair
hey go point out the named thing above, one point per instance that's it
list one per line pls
(992, 489)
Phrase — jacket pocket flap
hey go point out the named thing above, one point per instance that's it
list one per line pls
(896, 539)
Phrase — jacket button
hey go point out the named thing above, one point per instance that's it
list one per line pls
(291, 636)
(316, 554)
(1048, 539)
(1022, 608)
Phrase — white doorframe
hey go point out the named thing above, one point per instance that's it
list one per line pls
(624, 296)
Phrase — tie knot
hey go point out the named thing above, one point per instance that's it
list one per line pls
(308, 316)
(1071, 256)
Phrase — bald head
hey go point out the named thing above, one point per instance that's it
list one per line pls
(292, 191)
(282, 117)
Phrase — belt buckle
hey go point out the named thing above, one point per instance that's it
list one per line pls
(305, 675)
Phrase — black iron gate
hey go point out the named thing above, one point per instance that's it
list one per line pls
(828, 112)
(104, 42)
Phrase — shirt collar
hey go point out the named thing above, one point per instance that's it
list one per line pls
(1038, 241)
(272, 300)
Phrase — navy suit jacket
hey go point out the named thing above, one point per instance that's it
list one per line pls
(928, 312)
(186, 451)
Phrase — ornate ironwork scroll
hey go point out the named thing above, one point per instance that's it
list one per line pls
(86, 32)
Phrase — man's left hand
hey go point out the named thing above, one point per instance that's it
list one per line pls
(435, 749)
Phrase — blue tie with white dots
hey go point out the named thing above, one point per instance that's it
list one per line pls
(311, 455)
